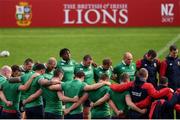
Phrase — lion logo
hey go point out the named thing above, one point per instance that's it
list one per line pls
(23, 14)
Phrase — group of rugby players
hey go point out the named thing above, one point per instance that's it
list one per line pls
(65, 89)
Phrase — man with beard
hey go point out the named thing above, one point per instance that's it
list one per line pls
(106, 68)
(126, 66)
(88, 69)
(50, 67)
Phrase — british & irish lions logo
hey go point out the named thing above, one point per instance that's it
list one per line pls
(23, 14)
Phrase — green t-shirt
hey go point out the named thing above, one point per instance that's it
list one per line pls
(48, 75)
(67, 68)
(88, 71)
(123, 68)
(33, 88)
(24, 78)
(2, 80)
(71, 89)
(12, 93)
(53, 104)
(102, 110)
(119, 100)
(99, 71)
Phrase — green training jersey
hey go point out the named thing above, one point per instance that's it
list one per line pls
(99, 71)
(71, 89)
(33, 88)
(123, 68)
(48, 74)
(24, 78)
(2, 80)
(12, 93)
(119, 100)
(88, 71)
(53, 104)
(67, 68)
(102, 110)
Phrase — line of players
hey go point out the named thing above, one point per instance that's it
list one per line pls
(128, 88)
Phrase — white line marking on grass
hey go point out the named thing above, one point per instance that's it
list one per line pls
(165, 48)
(76, 35)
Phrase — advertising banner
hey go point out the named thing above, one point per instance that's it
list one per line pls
(87, 13)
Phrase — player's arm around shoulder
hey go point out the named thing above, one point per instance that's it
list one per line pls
(33, 97)
(28, 83)
(57, 87)
(101, 100)
(96, 85)
(64, 98)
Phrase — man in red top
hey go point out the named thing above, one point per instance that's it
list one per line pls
(152, 65)
(170, 68)
(140, 89)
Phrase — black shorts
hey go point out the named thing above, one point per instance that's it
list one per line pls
(49, 115)
(21, 106)
(7, 115)
(36, 112)
(74, 116)
(1, 108)
(136, 115)
(107, 117)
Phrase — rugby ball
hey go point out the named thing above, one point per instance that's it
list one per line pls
(5, 53)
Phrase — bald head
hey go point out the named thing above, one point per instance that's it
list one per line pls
(6, 71)
(52, 62)
(127, 58)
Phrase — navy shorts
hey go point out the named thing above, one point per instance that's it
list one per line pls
(8, 115)
(74, 116)
(36, 112)
(49, 115)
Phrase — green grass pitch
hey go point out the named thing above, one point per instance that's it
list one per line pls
(42, 43)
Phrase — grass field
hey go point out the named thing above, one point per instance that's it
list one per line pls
(42, 43)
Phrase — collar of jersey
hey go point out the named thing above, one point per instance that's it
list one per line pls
(65, 61)
(123, 62)
(3, 76)
(103, 69)
(84, 65)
